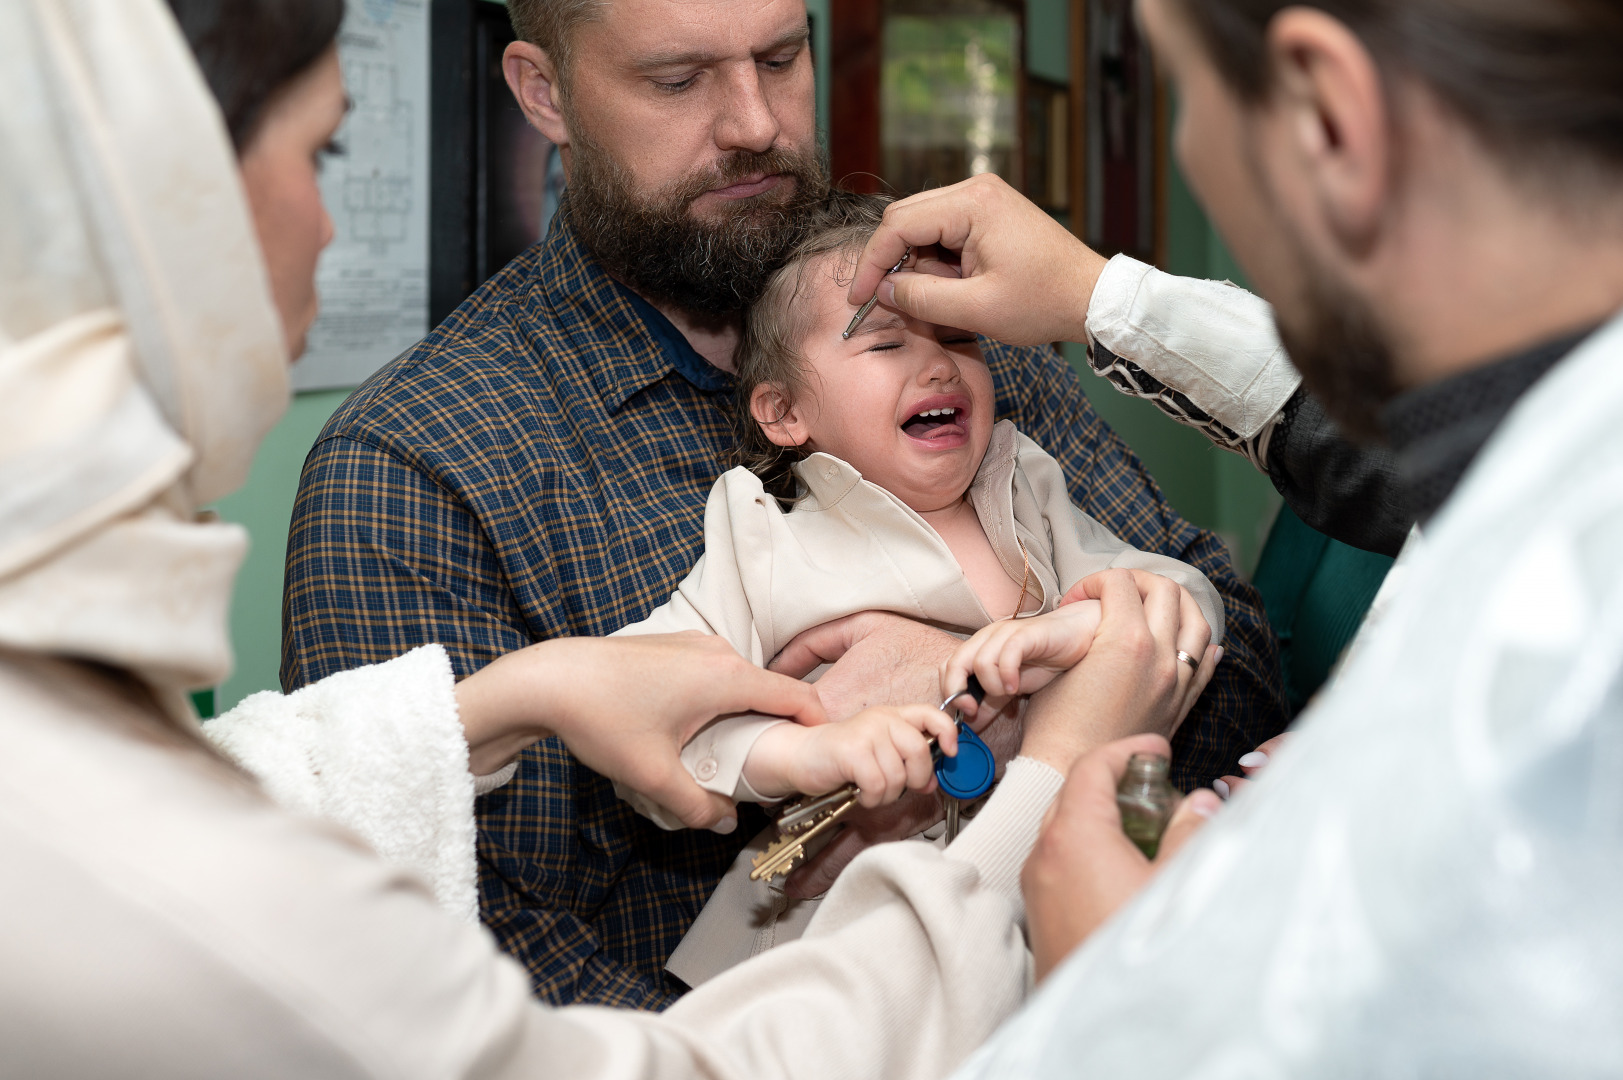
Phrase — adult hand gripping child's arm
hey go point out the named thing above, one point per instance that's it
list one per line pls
(884, 751)
(1013, 657)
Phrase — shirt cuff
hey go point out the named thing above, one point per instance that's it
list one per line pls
(1002, 835)
(1211, 341)
(715, 756)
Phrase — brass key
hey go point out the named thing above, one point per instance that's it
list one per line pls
(804, 821)
(786, 852)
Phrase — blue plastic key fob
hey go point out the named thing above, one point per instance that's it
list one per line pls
(968, 774)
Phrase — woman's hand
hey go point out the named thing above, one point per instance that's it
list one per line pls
(1131, 681)
(1250, 764)
(625, 707)
(1021, 277)
(1083, 867)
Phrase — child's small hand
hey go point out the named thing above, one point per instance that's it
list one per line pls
(884, 751)
(1021, 656)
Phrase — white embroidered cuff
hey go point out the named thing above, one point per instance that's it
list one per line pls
(1211, 341)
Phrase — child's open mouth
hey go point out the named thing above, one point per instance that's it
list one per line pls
(937, 423)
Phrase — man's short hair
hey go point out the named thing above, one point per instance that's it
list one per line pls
(551, 24)
(1533, 78)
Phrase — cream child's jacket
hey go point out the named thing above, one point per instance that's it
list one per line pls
(849, 545)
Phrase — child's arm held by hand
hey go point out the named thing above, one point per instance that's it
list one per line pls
(1021, 656)
(884, 751)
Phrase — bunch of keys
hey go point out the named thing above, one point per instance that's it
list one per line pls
(966, 776)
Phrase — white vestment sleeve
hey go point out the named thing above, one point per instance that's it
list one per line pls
(1210, 343)
(1424, 880)
(379, 750)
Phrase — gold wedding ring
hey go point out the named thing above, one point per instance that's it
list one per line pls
(1194, 665)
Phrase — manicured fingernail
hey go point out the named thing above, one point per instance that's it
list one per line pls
(887, 292)
(1204, 802)
(1256, 759)
(1221, 787)
(1219, 654)
(725, 825)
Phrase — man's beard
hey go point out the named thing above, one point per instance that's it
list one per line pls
(655, 244)
(1341, 351)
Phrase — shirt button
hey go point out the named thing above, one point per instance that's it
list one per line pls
(707, 769)
(830, 472)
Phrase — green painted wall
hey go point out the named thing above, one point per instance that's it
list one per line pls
(818, 11)
(1213, 489)
(1047, 39)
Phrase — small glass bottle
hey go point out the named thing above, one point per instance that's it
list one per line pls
(1146, 799)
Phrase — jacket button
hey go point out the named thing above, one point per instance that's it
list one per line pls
(707, 769)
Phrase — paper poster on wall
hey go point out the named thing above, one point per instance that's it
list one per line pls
(373, 279)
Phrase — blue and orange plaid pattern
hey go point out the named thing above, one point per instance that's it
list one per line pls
(537, 467)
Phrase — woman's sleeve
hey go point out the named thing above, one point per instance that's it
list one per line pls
(301, 954)
(380, 750)
(914, 959)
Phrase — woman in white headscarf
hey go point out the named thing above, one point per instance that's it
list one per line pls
(145, 360)
(162, 915)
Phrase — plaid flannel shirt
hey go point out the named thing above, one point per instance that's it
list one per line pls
(538, 466)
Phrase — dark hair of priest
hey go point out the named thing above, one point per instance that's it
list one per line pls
(1533, 78)
(249, 49)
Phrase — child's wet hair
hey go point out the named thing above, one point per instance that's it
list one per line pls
(777, 324)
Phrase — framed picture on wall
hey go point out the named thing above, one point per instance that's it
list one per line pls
(1118, 160)
(925, 93)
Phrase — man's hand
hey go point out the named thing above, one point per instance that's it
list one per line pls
(625, 707)
(879, 659)
(1131, 681)
(1024, 278)
(1083, 867)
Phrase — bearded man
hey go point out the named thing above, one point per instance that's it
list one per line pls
(538, 467)
(1424, 882)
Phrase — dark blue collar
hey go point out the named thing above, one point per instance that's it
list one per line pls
(679, 352)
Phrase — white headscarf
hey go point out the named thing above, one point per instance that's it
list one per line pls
(141, 359)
